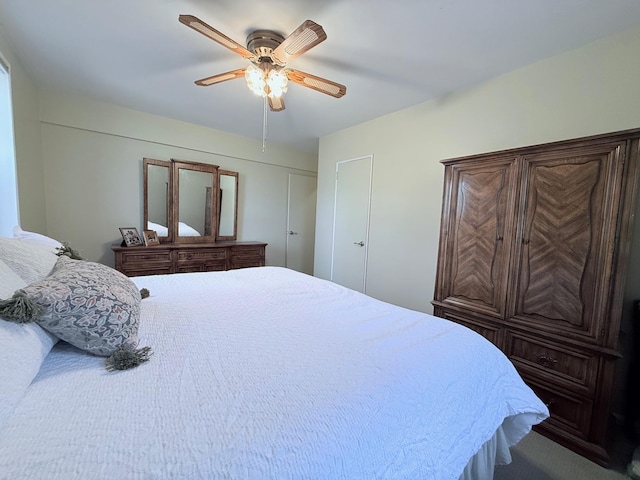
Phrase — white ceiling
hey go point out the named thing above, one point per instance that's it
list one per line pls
(389, 54)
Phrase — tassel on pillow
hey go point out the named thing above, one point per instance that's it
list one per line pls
(127, 357)
(20, 308)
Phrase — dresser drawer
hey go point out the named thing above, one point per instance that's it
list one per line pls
(145, 269)
(247, 256)
(201, 260)
(202, 255)
(568, 367)
(145, 256)
(144, 261)
(200, 267)
(240, 253)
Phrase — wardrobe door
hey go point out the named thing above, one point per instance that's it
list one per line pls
(564, 249)
(477, 225)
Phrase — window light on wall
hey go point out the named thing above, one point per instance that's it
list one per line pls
(8, 177)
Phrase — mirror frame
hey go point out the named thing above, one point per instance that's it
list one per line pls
(234, 236)
(173, 192)
(146, 162)
(211, 208)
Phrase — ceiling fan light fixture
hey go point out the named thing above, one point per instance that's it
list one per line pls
(266, 81)
(269, 54)
(277, 82)
(256, 80)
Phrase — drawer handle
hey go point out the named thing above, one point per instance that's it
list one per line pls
(189, 256)
(547, 361)
(549, 403)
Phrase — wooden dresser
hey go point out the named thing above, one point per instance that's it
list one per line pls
(533, 253)
(194, 257)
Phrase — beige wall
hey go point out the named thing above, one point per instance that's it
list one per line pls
(92, 161)
(588, 91)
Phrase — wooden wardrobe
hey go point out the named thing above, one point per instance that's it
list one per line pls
(533, 253)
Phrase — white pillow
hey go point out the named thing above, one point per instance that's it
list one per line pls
(23, 348)
(35, 237)
(32, 261)
(10, 281)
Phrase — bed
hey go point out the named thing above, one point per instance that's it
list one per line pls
(260, 373)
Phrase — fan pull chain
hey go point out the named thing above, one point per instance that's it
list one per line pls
(264, 125)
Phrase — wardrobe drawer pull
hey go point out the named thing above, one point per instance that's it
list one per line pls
(547, 361)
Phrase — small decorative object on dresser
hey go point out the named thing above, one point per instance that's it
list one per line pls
(150, 238)
(130, 236)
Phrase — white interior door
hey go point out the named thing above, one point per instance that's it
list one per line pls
(351, 222)
(301, 223)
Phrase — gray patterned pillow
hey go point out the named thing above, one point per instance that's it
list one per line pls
(89, 305)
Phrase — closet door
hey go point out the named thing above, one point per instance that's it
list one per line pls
(564, 248)
(476, 234)
(351, 223)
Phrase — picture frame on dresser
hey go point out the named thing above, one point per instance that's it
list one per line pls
(131, 237)
(150, 237)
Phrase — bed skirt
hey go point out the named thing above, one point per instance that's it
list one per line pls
(494, 452)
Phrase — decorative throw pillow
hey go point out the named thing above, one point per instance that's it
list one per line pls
(88, 305)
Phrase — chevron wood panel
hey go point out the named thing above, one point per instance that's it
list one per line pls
(560, 220)
(477, 225)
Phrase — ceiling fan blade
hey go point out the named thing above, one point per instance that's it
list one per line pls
(207, 30)
(316, 83)
(221, 77)
(304, 38)
(276, 104)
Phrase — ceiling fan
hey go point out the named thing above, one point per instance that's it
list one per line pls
(269, 54)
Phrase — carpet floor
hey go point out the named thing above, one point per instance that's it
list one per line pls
(538, 458)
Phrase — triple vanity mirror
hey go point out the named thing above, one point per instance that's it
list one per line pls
(189, 202)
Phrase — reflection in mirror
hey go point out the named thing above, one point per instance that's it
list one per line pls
(228, 205)
(157, 210)
(195, 202)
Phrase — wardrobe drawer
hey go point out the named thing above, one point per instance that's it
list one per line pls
(563, 365)
(490, 331)
(568, 412)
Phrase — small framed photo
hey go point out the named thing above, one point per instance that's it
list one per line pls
(130, 236)
(150, 238)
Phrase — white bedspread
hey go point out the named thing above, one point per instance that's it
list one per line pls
(266, 373)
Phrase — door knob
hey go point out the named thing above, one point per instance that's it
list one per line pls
(361, 243)
(291, 232)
